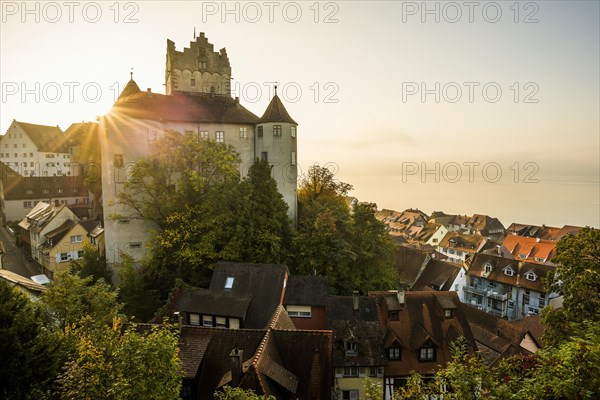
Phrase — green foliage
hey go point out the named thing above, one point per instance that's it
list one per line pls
(93, 264)
(139, 301)
(373, 390)
(229, 393)
(28, 351)
(350, 247)
(122, 364)
(577, 278)
(69, 298)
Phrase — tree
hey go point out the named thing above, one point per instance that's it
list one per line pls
(122, 363)
(139, 301)
(92, 264)
(229, 393)
(29, 359)
(69, 298)
(577, 278)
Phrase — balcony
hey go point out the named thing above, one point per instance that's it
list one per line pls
(499, 313)
(497, 296)
(475, 289)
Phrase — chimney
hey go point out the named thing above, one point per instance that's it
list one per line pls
(56, 203)
(355, 300)
(401, 296)
(149, 90)
(236, 366)
(237, 100)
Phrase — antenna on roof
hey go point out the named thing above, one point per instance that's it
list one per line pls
(276, 84)
(131, 73)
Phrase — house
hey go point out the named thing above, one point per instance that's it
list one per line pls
(197, 102)
(306, 301)
(276, 360)
(478, 224)
(530, 249)
(406, 224)
(439, 231)
(23, 284)
(241, 295)
(417, 329)
(65, 244)
(358, 352)
(22, 193)
(506, 287)
(460, 246)
(44, 218)
(497, 338)
(36, 150)
(542, 232)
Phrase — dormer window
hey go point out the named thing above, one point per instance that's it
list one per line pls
(530, 276)
(487, 268)
(229, 282)
(393, 315)
(508, 271)
(394, 353)
(427, 353)
(448, 313)
(351, 348)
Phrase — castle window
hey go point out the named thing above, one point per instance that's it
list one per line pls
(243, 132)
(118, 162)
(193, 82)
(293, 158)
(259, 132)
(220, 136)
(276, 130)
(293, 131)
(264, 156)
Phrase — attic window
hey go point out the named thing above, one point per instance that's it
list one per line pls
(508, 271)
(351, 348)
(448, 313)
(394, 353)
(427, 353)
(229, 282)
(487, 268)
(530, 276)
(299, 311)
(194, 319)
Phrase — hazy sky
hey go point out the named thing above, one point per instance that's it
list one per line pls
(496, 101)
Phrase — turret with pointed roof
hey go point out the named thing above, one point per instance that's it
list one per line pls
(276, 112)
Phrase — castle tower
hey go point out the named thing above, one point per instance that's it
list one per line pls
(276, 142)
(197, 69)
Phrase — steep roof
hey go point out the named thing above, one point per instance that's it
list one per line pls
(180, 107)
(276, 112)
(306, 290)
(46, 138)
(55, 236)
(44, 187)
(438, 275)
(361, 326)
(530, 249)
(462, 241)
(409, 262)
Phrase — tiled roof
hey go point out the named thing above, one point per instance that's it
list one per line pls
(49, 139)
(22, 281)
(530, 249)
(276, 112)
(35, 187)
(409, 262)
(181, 107)
(461, 241)
(56, 235)
(306, 290)
(222, 304)
(421, 320)
(437, 273)
(361, 326)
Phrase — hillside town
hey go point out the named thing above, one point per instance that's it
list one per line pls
(323, 329)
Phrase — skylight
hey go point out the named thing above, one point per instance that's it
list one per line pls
(229, 282)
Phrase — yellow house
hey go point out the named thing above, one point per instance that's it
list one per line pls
(65, 244)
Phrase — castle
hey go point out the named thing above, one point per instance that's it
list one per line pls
(198, 100)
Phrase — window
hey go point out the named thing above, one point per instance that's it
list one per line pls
(229, 282)
(276, 130)
(393, 315)
(219, 136)
(24, 155)
(530, 276)
(194, 319)
(64, 257)
(24, 145)
(118, 162)
(372, 371)
(204, 135)
(293, 131)
(234, 323)
(488, 268)
(30, 154)
(135, 245)
(75, 190)
(350, 371)
(123, 221)
(508, 271)
(394, 353)
(49, 155)
(350, 394)
(264, 156)
(259, 132)
(351, 349)
(207, 320)
(80, 254)
(293, 158)
(243, 132)
(299, 311)
(29, 191)
(31, 164)
(542, 300)
(522, 256)
(448, 313)
(76, 239)
(193, 82)
(427, 353)
(59, 190)
(221, 322)
(27, 204)
(539, 259)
